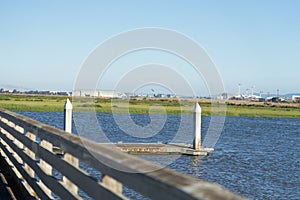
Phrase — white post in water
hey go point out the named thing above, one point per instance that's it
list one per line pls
(68, 116)
(197, 127)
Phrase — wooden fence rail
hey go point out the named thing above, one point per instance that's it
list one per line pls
(29, 148)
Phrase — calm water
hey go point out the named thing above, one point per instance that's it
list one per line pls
(258, 158)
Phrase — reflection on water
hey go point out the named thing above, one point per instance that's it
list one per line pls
(256, 157)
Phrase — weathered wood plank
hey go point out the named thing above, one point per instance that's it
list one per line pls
(85, 182)
(31, 181)
(66, 181)
(16, 186)
(45, 166)
(49, 181)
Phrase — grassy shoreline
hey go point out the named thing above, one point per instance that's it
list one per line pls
(40, 103)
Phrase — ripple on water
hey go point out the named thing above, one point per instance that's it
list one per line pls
(254, 157)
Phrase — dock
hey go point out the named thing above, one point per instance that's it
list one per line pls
(161, 149)
(28, 157)
(152, 149)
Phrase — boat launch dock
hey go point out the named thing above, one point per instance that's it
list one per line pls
(162, 149)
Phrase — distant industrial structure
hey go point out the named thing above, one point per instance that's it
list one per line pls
(99, 93)
(116, 94)
(254, 97)
(260, 97)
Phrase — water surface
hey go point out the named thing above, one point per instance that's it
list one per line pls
(258, 158)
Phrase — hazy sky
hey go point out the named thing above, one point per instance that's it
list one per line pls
(44, 43)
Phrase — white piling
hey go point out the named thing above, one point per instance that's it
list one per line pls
(197, 127)
(68, 116)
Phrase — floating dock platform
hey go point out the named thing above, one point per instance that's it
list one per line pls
(161, 149)
(154, 149)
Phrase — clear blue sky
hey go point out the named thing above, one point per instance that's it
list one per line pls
(43, 43)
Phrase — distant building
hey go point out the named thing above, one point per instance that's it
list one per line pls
(255, 98)
(99, 93)
(296, 98)
(222, 96)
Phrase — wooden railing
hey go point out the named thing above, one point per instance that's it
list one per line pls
(43, 162)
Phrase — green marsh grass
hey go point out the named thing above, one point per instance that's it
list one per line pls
(39, 103)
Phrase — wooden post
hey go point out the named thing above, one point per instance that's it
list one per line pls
(68, 157)
(68, 116)
(197, 127)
